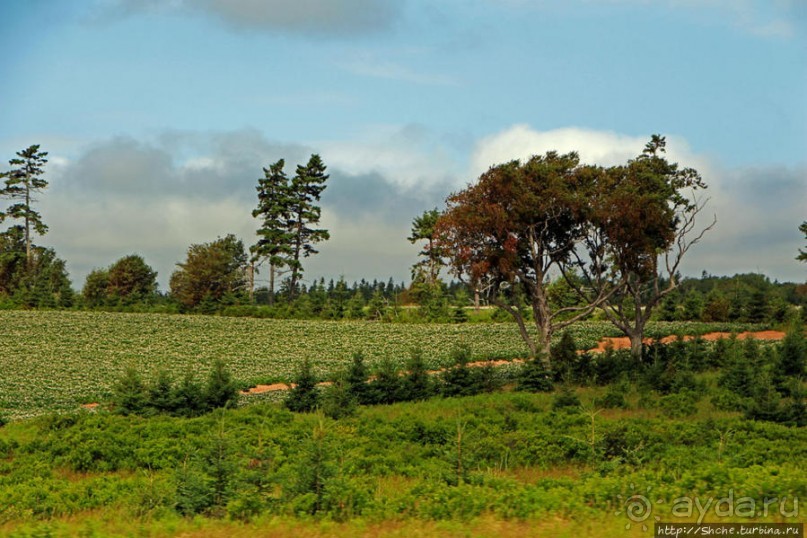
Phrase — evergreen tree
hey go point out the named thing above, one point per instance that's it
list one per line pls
(386, 387)
(274, 210)
(356, 378)
(417, 384)
(306, 189)
(22, 182)
(304, 397)
(220, 389)
(129, 393)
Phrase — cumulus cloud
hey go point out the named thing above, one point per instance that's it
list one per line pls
(309, 17)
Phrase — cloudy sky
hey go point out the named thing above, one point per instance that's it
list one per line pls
(159, 114)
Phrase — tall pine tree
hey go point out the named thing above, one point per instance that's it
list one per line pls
(22, 182)
(306, 189)
(274, 206)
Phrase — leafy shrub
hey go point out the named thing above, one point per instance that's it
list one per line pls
(566, 400)
(678, 405)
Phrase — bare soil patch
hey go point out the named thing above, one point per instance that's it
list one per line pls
(623, 342)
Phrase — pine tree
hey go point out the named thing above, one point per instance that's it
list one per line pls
(274, 206)
(304, 397)
(306, 189)
(22, 182)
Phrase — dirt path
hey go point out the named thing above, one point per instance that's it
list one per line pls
(623, 342)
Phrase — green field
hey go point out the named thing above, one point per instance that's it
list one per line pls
(55, 360)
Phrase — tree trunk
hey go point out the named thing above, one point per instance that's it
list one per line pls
(636, 344)
(271, 284)
(28, 257)
(252, 283)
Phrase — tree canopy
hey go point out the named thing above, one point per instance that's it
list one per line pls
(210, 272)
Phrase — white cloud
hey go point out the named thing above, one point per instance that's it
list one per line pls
(369, 66)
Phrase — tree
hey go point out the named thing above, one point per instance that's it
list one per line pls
(423, 229)
(306, 189)
(506, 232)
(304, 396)
(275, 238)
(95, 288)
(211, 271)
(642, 223)
(130, 279)
(22, 182)
(802, 257)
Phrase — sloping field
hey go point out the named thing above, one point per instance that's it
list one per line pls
(59, 360)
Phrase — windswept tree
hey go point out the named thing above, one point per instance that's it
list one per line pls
(304, 214)
(802, 257)
(211, 272)
(275, 239)
(643, 215)
(423, 229)
(506, 232)
(21, 183)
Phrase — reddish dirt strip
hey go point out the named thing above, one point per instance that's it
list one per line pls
(623, 342)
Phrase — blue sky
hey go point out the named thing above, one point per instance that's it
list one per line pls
(158, 115)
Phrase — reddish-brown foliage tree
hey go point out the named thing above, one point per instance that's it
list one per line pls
(506, 232)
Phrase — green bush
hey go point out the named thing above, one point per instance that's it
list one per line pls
(304, 397)
(535, 376)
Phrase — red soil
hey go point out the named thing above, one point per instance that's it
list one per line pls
(623, 342)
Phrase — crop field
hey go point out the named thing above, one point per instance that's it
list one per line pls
(52, 361)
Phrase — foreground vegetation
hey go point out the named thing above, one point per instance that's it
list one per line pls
(57, 360)
(562, 449)
(521, 460)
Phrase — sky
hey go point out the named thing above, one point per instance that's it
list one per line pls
(159, 115)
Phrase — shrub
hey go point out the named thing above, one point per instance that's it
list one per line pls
(534, 376)
(459, 380)
(304, 397)
(678, 405)
(386, 387)
(337, 400)
(221, 389)
(417, 384)
(566, 400)
(129, 393)
(356, 379)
